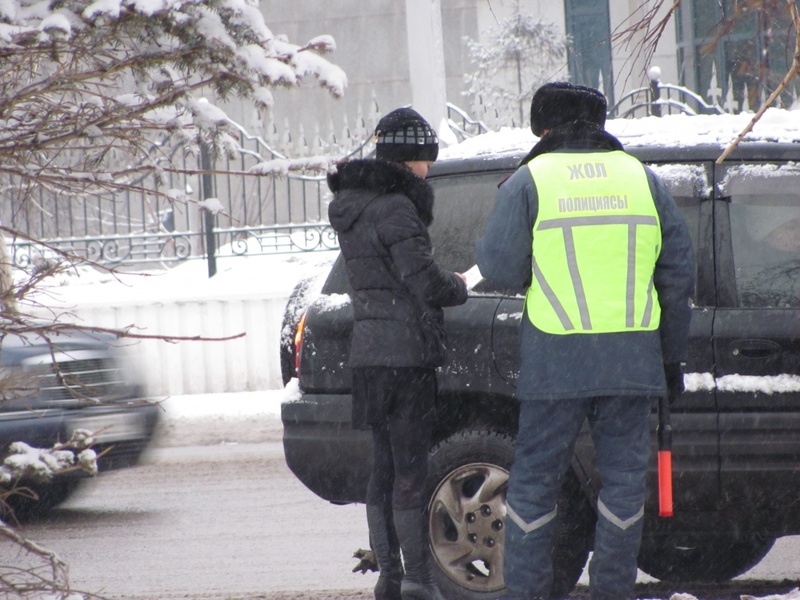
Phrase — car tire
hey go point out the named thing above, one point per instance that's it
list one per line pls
(24, 507)
(702, 559)
(467, 481)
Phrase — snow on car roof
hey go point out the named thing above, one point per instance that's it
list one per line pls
(775, 125)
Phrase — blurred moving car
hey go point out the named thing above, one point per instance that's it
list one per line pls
(736, 447)
(55, 384)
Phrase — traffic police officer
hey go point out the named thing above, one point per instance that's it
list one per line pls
(607, 261)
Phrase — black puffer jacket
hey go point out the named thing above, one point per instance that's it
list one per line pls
(381, 212)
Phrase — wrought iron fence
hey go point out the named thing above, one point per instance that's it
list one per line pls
(659, 99)
(261, 214)
(462, 124)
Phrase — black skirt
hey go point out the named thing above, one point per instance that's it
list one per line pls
(382, 391)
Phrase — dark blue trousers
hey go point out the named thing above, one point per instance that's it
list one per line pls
(545, 445)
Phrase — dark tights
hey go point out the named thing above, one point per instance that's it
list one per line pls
(401, 433)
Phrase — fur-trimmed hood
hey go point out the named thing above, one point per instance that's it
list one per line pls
(357, 182)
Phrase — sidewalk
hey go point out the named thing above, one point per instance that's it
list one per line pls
(210, 419)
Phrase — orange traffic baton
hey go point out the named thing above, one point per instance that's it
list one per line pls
(664, 459)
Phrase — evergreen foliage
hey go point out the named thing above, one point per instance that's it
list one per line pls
(516, 57)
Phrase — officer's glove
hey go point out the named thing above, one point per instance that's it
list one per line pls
(674, 375)
(368, 561)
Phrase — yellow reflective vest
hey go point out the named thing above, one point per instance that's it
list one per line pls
(596, 240)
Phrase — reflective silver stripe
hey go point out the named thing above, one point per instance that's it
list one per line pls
(648, 308)
(615, 520)
(630, 281)
(551, 297)
(566, 224)
(597, 220)
(534, 525)
(575, 275)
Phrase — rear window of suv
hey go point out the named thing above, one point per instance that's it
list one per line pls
(461, 208)
(689, 184)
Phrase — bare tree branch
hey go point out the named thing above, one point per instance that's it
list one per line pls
(59, 579)
(643, 36)
(38, 571)
(645, 33)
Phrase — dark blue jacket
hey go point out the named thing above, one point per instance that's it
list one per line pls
(589, 365)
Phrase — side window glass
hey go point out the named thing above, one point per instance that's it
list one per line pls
(461, 207)
(765, 233)
(689, 184)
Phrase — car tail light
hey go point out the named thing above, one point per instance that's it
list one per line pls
(298, 342)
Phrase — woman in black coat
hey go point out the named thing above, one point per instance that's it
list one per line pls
(381, 210)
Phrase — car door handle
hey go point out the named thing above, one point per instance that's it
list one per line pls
(755, 348)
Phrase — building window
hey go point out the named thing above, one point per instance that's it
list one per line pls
(742, 67)
(589, 30)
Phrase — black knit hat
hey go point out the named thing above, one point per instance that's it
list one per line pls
(561, 102)
(403, 135)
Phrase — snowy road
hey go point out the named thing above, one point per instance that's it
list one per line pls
(201, 523)
(204, 520)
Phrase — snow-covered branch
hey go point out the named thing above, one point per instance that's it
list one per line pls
(89, 86)
(282, 167)
(42, 464)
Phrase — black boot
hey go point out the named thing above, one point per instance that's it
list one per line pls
(411, 529)
(383, 537)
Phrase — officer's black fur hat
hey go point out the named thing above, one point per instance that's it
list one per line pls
(561, 102)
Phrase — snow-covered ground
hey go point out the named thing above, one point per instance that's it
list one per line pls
(240, 418)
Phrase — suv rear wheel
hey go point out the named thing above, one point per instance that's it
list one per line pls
(467, 479)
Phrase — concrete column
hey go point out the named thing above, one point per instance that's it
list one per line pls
(426, 64)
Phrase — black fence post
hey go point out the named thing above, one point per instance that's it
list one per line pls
(208, 215)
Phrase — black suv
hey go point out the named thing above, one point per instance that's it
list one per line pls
(736, 446)
(65, 382)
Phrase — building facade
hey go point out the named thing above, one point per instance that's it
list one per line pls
(372, 47)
